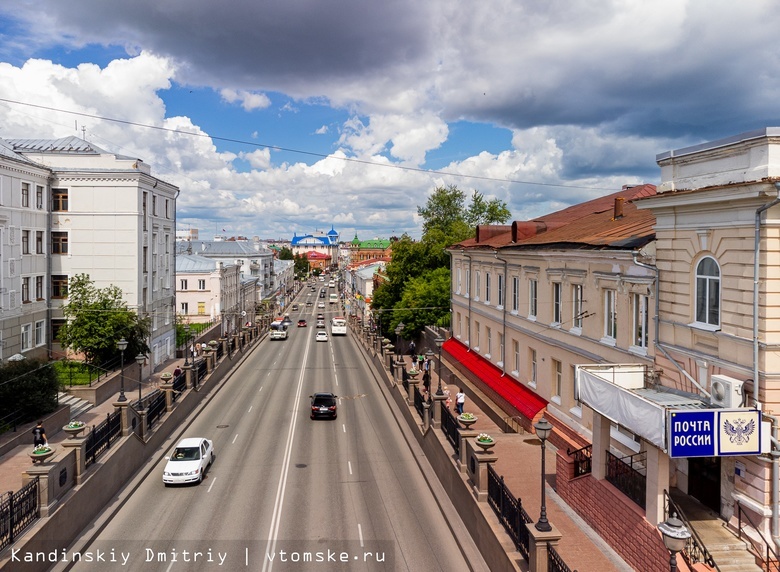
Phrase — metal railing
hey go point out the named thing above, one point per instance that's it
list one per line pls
(623, 474)
(156, 409)
(450, 427)
(510, 511)
(102, 435)
(582, 460)
(10, 421)
(179, 385)
(18, 511)
(418, 402)
(554, 561)
(769, 558)
(694, 550)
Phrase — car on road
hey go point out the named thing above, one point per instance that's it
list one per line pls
(320, 323)
(322, 336)
(321, 305)
(309, 303)
(189, 461)
(294, 307)
(301, 323)
(324, 405)
(286, 321)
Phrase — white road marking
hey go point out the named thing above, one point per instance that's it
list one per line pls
(214, 480)
(343, 428)
(250, 409)
(360, 534)
(349, 463)
(234, 439)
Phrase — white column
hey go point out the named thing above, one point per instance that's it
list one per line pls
(657, 483)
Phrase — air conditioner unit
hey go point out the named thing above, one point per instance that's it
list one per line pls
(726, 391)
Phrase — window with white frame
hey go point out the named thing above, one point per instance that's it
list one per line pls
(557, 303)
(487, 287)
(183, 284)
(532, 298)
(468, 283)
(477, 284)
(26, 290)
(501, 348)
(516, 353)
(25, 242)
(26, 337)
(489, 338)
(39, 196)
(476, 335)
(39, 288)
(201, 284)
(25, 194)
(557, 372)
(184, 308)
(515, 294)
(576, 306)
(500, 301)
(640, 317)
(610, 314)
(532, 363)
(457, 279)
(40, 331)
(708, 292)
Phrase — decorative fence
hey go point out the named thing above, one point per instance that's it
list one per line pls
(509, 510)
(418, 402)
(450, 427)
(18, 511)
(179, 385)
(102, 435)
(624, 474)
(582, 460)
(156, 409)
(694, 550)
(554, 561)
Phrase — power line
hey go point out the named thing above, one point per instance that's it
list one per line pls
(302, 152)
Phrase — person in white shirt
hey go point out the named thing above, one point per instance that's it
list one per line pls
(460, 401)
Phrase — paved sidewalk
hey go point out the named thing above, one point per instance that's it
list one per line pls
(520, 464)
(16, 461)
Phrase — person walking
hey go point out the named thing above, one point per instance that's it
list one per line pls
(39, 434)
(460, 401)
(412, 348)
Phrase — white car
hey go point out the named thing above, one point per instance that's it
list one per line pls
(321, 305)
(189, 461)
(322, 336)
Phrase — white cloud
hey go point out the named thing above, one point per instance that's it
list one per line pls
(248, 100)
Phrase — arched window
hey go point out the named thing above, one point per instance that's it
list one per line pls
(708, 292)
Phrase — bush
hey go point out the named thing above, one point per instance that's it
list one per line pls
(28, 390)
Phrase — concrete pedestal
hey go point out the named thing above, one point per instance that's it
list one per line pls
(465, 434)
(537, 547)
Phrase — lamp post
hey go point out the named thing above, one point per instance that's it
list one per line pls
(140, 359)
(439, 342)
(675, 535)
(429, 355)
(186, 344)
(543, 430)
(398, 329)
(121, 345)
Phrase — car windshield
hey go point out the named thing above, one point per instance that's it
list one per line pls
(186, 454)
(324, 401)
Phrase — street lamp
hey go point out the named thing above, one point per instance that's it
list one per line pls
(398, 329)
(121, 345)
(675, 535)
(140, 359)
(439, 342)
(429, 355)
(186, 344)
(543, 430)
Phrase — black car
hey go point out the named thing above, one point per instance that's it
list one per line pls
(322, 294)
(323, 405)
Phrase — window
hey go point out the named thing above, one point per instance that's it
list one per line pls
(708, 292)
(557, 303)
(167, 212)
(557, 379)
(516, 352)
(501, 348)
(500, 300)
(26, 290)
(457, 279)
(59, 242)
(38, 242)
(532, 285)
(468, 283)
(38, 196)
(532, 353)
(640, 315)
(610, 314)
(201, 308)
(143, 208)
(25, 194)
(183, 284)
(154, 205)
(39, 333)
(146, 259)
(39, 287)
(201, 284)
(25, 242)
(55, 329)
(576, 306)
(487, 287)
(26, 337)
(185, 308)
(489, 342)
(515, 294)
(476, 335)
(59, 200)
(59, 286)
(477, 285)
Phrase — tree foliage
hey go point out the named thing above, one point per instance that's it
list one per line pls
(285, 253)
(301, 265)
(28, 390)
(96, 318)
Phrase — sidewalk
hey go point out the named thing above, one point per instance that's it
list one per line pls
(16, 461)
(520, 464)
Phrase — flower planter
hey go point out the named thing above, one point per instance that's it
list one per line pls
(41, 456)
(166, 377)
(467, 422)
(73, 431)
(486, 445)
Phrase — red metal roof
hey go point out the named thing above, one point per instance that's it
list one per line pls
(519, 396)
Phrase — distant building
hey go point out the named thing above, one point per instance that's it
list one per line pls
(374, 249)
(320, 243)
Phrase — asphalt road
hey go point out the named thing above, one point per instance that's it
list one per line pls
(286, 492)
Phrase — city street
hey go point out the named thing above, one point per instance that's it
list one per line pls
(286, 492)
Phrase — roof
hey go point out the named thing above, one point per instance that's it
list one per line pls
(7, 151)
(221, 248)
(611, 221)
(72, 144)
(194, 264)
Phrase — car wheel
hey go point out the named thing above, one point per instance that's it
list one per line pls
(335, 415)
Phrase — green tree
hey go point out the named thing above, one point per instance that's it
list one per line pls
(425, 301)
(28, 390)
(96, 318)
(481, 211)
(286, 253)
(301, 265)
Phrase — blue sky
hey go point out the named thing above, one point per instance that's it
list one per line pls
(349, 114)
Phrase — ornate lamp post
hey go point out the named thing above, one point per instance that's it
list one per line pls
(140, 359)
(543, 430)
(439, 342)
(121, 345)
(675, 534)
(186, 344)
(429, 354)
(398, 330)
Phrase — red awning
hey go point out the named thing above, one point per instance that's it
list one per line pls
(520, 397)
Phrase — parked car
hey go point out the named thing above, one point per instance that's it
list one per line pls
(301, 323)
(322, 336)
(324, 405)
(189, 461)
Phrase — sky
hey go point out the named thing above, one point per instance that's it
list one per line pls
(277, 118)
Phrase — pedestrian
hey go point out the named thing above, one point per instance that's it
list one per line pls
(427, 381)
(420, 360)
(177, 372)
(460, 401)
(411, 349)
(426, 364)
(39, 435)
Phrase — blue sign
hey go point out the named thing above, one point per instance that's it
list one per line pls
(692, 433)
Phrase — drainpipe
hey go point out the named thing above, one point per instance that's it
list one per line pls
(503, 319)
(656, 320)
(468, 291)
(776, 446)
